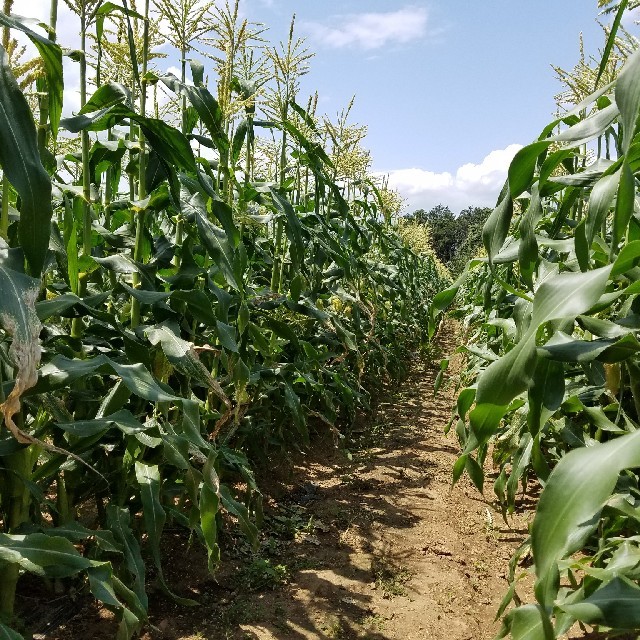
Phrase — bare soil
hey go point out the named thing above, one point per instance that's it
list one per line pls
(374, 545)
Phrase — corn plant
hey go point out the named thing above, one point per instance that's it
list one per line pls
(148, 358)
(552, 380)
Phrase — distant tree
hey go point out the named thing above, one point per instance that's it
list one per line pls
(472, 219)
(455, 239)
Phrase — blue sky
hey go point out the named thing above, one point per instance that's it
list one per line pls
(449, 89)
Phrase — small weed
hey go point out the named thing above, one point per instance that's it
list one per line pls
(280, 620)
(288, 526)
(262, 574)
(373, 622)
(332, 628)
(240, 611)
(305, 562)
(389, 579)
(347, 478)
(481, 568)
(490, 530)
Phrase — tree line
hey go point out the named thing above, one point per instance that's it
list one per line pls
(455, 238)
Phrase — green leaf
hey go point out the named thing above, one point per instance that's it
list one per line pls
(119, 263)
(627, 259)
(50, 556)
(123, 420)
(628, 98)
(51, 55)
(528, 252)
(18, 293)
(108, 95)
(224, 213)
(625, 204)
(180, 353)
(589, 128)
(496, 228)
(198, 304)
(605, 328)
(292, 400)
(102, 583)
(242, 513)
(587, 178)
(615, 605)
(169, 143)
(60, 305)
(139, 381)
(522, 167)
(107, 9)
(571, 502)
(293, 227)
(444, 365)
(96, 121)
(207, 107)
(475, 472)
(72, 213)
(563, 296)
(444, 298)
(613, 32)
(600, 200)
(20, 161)
(148, 477)
(191, 424)
(313, 149)
(119, 520)
(144, 296)
(582, 245)
(197, 72)
(545, 393)
(551, 163)
(227, 336)
(459, 467)
(567, 295)
(214, 239)
(9, 634)
(238, 140)
(529, 622)
(499, 384)
(563, 348)
(208, 506)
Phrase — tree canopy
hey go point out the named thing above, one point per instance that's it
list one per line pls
(455, 238)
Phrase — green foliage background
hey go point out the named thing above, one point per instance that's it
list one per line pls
(550, 392)
(169, 320)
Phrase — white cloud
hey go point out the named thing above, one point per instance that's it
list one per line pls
(174, 70)
(472, 185)
(371, 30)
(68, 23)
(67, 37)
(37, 9)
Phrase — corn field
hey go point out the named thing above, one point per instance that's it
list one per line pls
(551, 390)
(191, 279)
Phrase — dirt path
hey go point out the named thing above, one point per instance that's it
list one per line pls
(378, 547)
(383, 548)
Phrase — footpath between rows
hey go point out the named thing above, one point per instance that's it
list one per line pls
(378, 547)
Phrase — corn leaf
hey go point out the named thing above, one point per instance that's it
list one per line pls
(570, 505)
(20, 160)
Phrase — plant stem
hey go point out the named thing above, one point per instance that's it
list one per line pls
(15, 504)
(43, 130)
(77, 325)
(142, 186)
(4, 216)
(179, 220)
